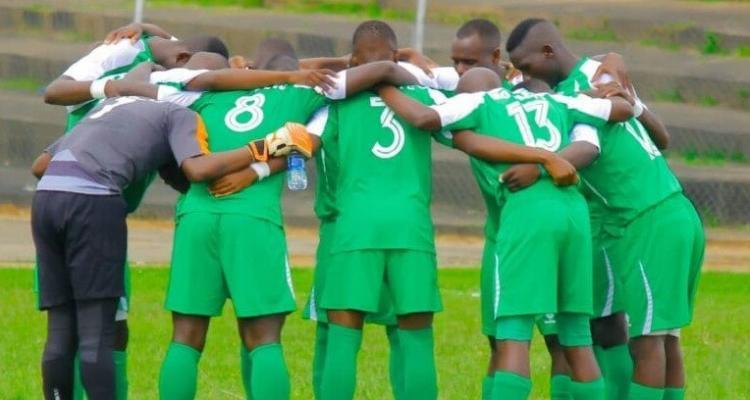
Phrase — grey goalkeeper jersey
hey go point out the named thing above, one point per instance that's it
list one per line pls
(120, 141)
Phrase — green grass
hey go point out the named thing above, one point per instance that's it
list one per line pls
(716, 350)
(711, 157)
(672, 96)
(26, 84)
(600, 34)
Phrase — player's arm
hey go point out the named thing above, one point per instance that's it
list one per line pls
(412, 111)
(65, 91)
(499, 151)
(243, 79)
(134, 31)
(613, 66)
(332, 63)
(40, 165)
(655, 127)
(365, 76)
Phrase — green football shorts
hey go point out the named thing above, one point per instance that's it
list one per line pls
(356, 279)
(543, 257)
(669, 242)
(487, 287)
(312, 310)
(220, 256)
(613, 256)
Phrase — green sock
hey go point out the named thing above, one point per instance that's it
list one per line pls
(245, 370)
(560, 387)
(121, 374)
(420, 374)
(510, 386)
(487, 383)
(269, 376)
(178, 378)
(640, 392)
(319, 356)
(617, 369)
(396, 363)
(340, 374)
(673, 393)
(79, 393)
(593, 390)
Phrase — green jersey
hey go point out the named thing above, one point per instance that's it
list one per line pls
(535, 120)
(233, 119)
(384, 180)
(630, 175)
(326, 168)
(113, 61)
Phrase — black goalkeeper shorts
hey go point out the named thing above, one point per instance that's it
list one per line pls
(81, 243)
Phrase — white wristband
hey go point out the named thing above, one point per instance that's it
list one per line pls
(262, 169)
(638, 108)
(97, 88)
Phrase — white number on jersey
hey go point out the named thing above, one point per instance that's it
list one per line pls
(642, 137)
(246, 105)
(388, 121)
(540, 108)
(109, 107)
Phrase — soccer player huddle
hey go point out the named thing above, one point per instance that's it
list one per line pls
(588, 234)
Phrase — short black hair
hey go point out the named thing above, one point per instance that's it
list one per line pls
(485, 29)
(208, 43)
(518, 34)
(374, 29)
(533, 85)
(276, 54)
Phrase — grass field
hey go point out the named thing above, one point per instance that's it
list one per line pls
(716, 346)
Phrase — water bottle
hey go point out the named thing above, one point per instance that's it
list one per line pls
(296, 177)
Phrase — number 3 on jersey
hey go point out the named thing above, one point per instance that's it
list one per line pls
(388, 121)
(247, 113)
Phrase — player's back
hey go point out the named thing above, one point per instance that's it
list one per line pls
(630, 175)
(234, 118)
(384, 181)
(532, 120)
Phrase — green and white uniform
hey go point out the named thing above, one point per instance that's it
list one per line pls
(647, 261)
(383, 234)
(543, 235)
(235, 246)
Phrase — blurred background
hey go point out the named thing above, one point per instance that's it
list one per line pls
(690, 61)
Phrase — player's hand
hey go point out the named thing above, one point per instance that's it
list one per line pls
(512, 74)
(613, 89)
(290, 137)
(562, 172)
(613, 64)
(233, 183)
(420, 60)
(322, 78)
(133, 32)
(520, 176)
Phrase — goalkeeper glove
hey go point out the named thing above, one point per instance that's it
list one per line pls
(290, 137)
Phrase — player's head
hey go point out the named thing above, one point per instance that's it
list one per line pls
(478, 79)
(208, 43)
(534, 85)
(477, 44)
(276, 54)
(169, 53)
(535, 46)
(373, 41)
(207, 60)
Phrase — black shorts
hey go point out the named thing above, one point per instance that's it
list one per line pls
(81, 243)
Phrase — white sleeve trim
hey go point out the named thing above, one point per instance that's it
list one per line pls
(585, 133)
(338, 91)
(103, 58)
(181, 76)
(458, 107)
(317, 123)
(181, 98)
(599, 108)
(444, 78)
